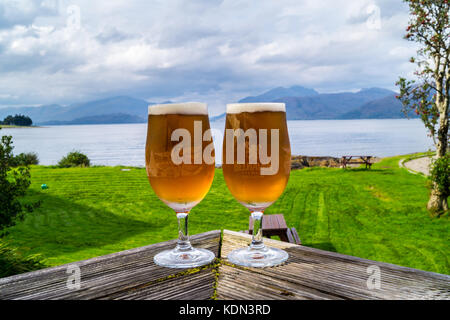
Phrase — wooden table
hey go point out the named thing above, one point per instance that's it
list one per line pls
(308, 274)
(346, 160)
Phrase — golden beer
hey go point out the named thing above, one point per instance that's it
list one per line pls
(256, 166)
(177, 184)
(179, 158)
(245, 181)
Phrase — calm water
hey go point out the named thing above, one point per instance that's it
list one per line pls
(124, 144)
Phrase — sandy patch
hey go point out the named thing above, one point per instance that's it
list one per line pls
(419, 165)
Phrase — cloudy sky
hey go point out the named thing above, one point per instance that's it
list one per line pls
(217, 51)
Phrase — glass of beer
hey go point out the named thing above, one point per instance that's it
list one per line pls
(180, 166)
(256, 165)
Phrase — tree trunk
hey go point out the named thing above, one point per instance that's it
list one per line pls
(438, 204)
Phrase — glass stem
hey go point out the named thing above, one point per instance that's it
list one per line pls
(183, 234)
(257, 235)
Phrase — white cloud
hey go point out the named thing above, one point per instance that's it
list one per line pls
(216, 51)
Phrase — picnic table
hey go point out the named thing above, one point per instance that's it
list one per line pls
(346, 160)
(275, 225)
(308, 274)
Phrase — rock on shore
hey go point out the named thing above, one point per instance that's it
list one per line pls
(300, 162)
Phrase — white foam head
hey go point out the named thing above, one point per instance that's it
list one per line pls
(255, 107)
(192, 108)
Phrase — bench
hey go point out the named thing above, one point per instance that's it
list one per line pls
(275, 225)
(346, 160)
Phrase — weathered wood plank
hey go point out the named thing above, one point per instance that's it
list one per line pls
(191, 286)
(240, 283)
(315, 274)
(308, 274)
(112, 275)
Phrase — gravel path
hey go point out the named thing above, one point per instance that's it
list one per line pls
(419, 165)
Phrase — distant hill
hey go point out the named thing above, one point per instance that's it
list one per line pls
(371, 103)
(374, 93)
(218, 118)
(330, 105)
(113, 105)
(280, 92)
(301, 104)
(114, 118)
(37, 114)
(110, 106)
(385, 108)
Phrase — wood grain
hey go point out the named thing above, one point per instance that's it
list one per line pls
(122, 275)
(308, 274)
(316, 274)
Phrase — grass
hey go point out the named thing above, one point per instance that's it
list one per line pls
(12, 126)
(377, 214)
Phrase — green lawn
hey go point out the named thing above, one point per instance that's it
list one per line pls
(8, 126)
(377, 214)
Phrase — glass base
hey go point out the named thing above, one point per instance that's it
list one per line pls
(184, 259)
(258, 258)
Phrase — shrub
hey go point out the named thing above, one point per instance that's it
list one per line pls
(440, 174)
(24, 159)
(12, 263)
(13, 185)
(74, 159)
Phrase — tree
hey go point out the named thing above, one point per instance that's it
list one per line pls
(13, 185)
(428, 94)
(18, 120)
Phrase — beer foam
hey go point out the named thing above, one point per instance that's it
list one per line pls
(196, 108)
(255, 107)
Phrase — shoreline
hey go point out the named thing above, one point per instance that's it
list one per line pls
(297, 162)
(18, 127)
(211, 120)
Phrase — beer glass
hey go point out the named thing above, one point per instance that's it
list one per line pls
(180, 166)
(256, 166)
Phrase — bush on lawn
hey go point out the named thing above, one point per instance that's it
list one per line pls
(74, 159)
(24, 159)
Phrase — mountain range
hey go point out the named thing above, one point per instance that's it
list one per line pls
(52, 114)
(373, 103)
(280, 92)
(301, 104)
(113, 118)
